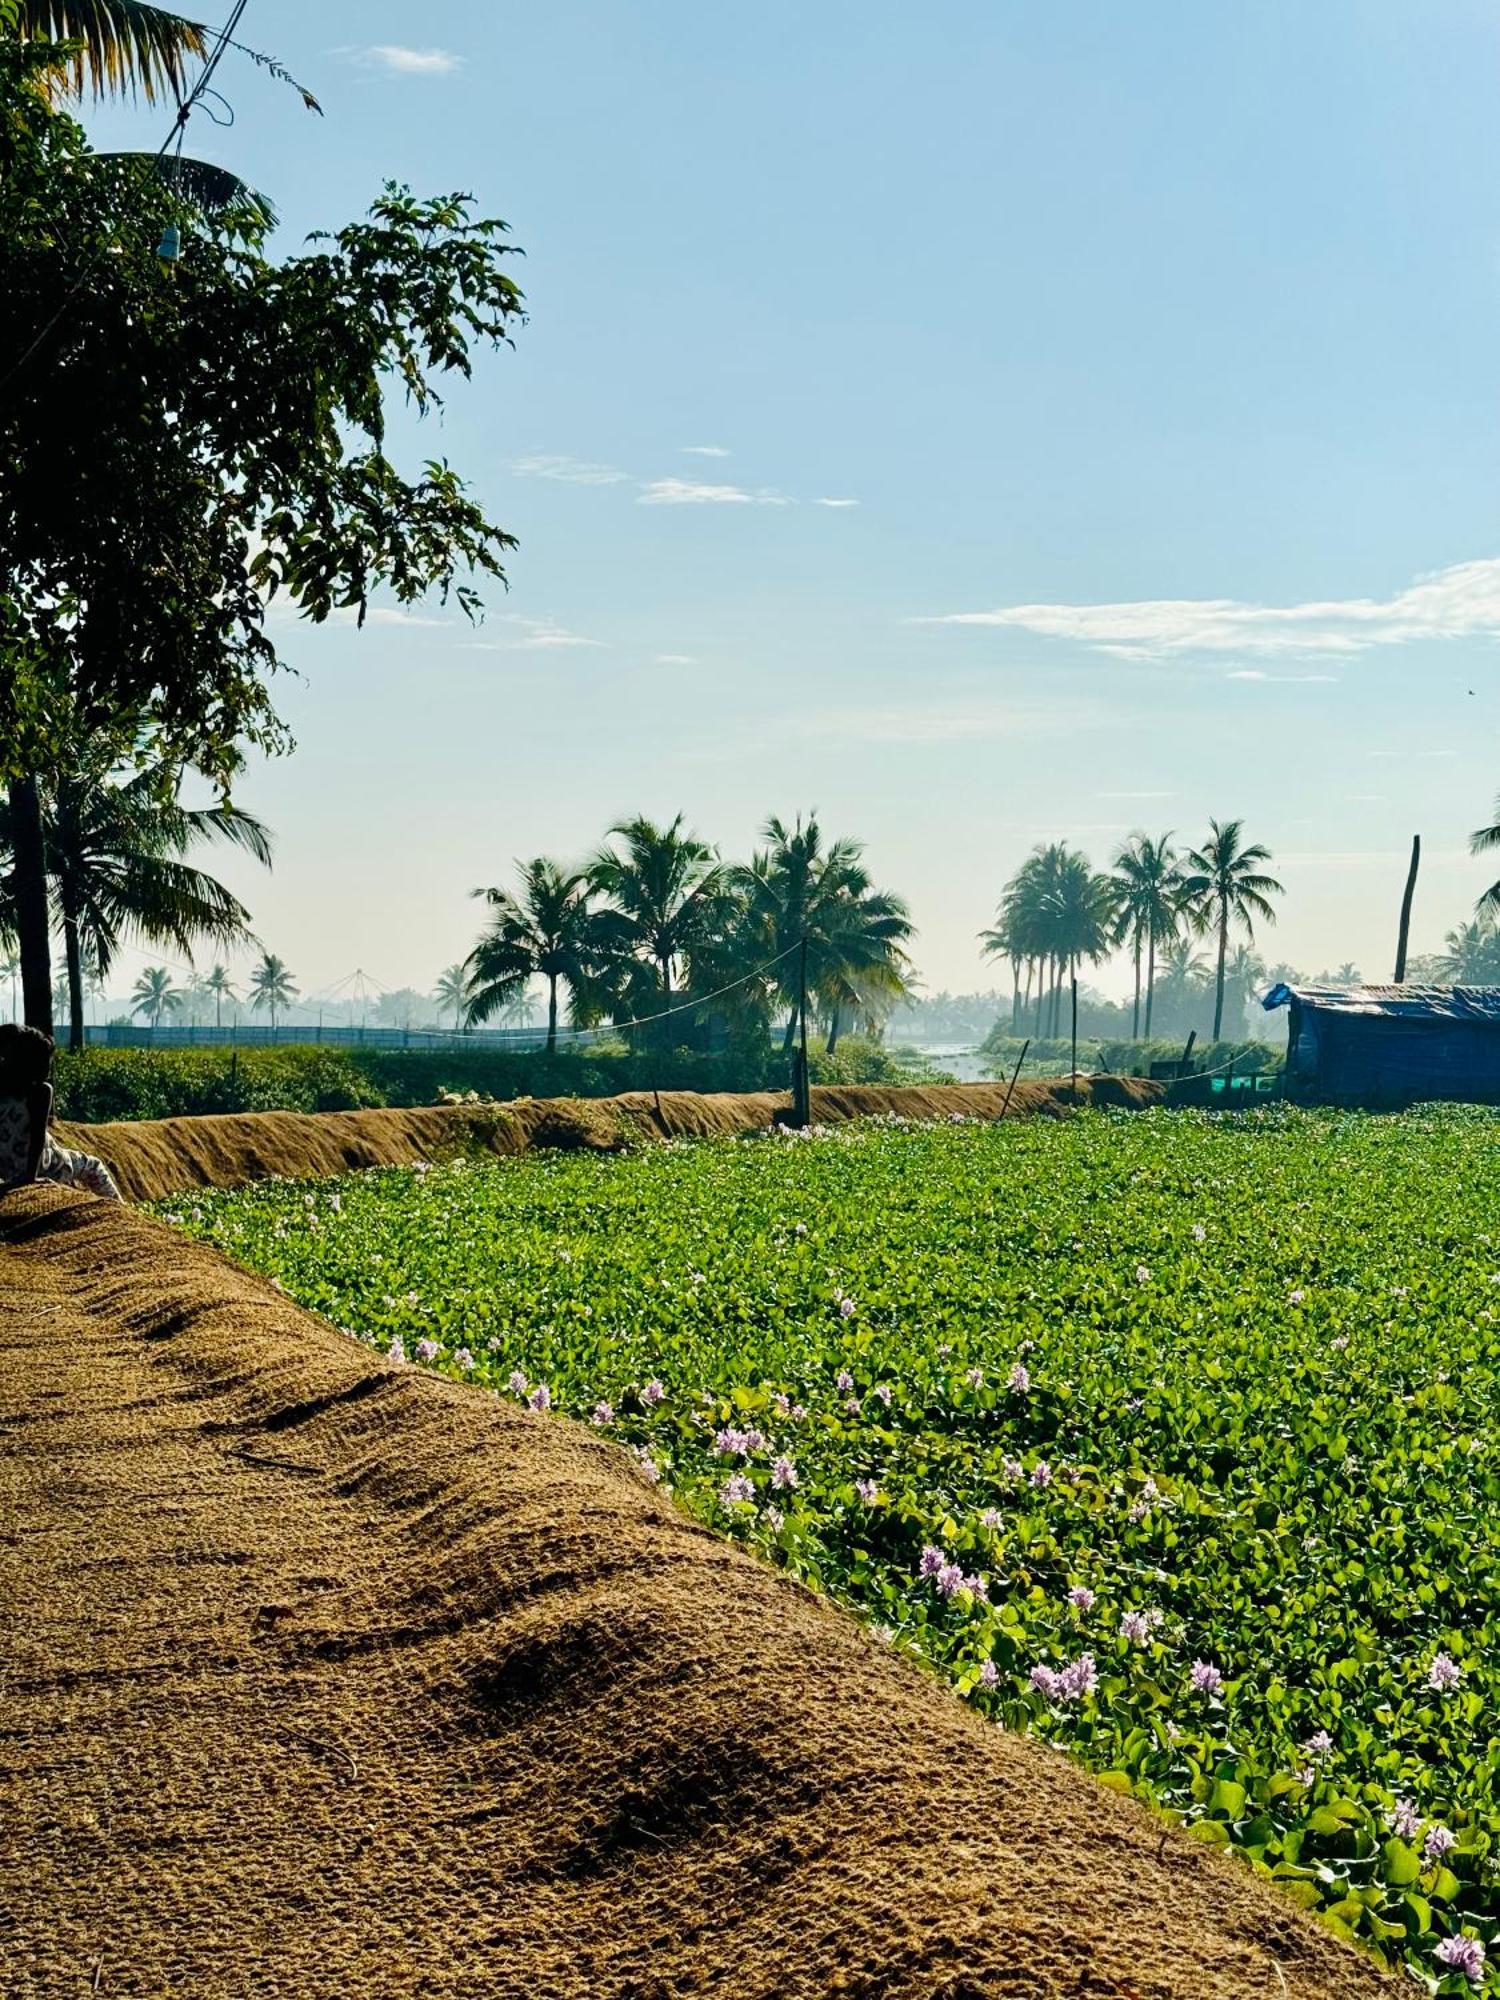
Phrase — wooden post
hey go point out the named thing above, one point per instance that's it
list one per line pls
(1014, 1074)
(1187, 1052)
(802, 1096)
(1411, 889)
(1075, 1037)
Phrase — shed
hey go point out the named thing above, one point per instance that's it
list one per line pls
(1392, 1044)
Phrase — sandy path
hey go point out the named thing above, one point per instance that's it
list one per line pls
(322, 1679)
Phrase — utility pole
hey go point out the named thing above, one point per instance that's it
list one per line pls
(1411, 890)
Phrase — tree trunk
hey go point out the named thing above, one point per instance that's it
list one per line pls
(552, 1013)
(29, 862)
(1041, 995)
(1135, 1016)
(835, 1020)
(1219, 982)
(1015, 995)
(74, 953)
(1150, 976)
(791, 1033)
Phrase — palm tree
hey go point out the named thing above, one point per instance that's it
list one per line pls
(548, 932)
(10, 968)
(1002, 940)
(1471, 953)
(1484, 841)
(664, 887)
(114, 848)
(1147, 885)
(802, 890)
(1227, 887)
(118, 47)
(272, 986)
(452, 991)
(155, 995)
(218, 982)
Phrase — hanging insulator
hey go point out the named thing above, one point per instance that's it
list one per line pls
(170, 247)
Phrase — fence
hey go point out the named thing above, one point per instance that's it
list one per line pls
(259, 1035)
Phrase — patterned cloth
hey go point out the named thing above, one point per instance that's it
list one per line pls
(59, 1163)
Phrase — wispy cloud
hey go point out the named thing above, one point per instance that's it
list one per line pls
(399, 61)
(692, 493)
(1283, 680)
(706, 450)
(825, 502)
(284, 609)
(573, 471)
(674, 660)
(1462, 601)
(532, 635)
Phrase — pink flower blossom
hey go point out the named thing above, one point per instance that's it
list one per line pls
(1206, 1678)
(648, 1465)
(1444, 1674)
(1011, 1469)
(428, 1350)
(1081, 1597)
(949, 1579)
(463, 1359)
(736, 1488)
(1295, 1298)
(882, 1390)
(540, 1398)
(844, 1381)
(1142, 1274)
(653, 1393)
(1081, 1678)
(1318, 1746)
(604, 1414)
(852, 1405)
(1405, 1820)
(1046, 1682)
(992, 1519)
(975, 1378)
(932, 1560)
(1019, 1379)
(867, 1490)
(1041, 1473)
(1200, 1234)
(1439, 1842)
(775, 1520)
(1462, 1954)
(783, 1474)
(847, 1308)
(989, 1675)
(518, 1385)
(1135, 1626)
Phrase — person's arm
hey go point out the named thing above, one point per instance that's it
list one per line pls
(39, 1111)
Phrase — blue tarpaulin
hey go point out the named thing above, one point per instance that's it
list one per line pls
(1362, 1043)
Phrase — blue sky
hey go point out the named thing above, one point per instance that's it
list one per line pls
(1151, 357)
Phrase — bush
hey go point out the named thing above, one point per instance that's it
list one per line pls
(100, 1085)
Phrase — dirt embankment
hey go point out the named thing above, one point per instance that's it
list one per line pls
(154, 1158)
(328, 1677)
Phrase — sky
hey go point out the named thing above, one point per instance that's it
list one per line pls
(984, 424)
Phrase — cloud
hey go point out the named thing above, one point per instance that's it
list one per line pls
(573, 471)
(533, 635)
(835, 503)
(1282, 680)
(674, 660)
(690, 493)
(706, 450)
(283, 607)
(398, 61)
(1462, 601)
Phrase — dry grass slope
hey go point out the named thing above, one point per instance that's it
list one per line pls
(155, 1158)
(324, 1677)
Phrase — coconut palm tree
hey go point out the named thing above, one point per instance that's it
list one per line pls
(1226, 886)
(1471, 953)
(548, 932)
(452, 992)
(117, 47)
(218, 982)
(663, 888)
(1485, 840)
(1147, 889)
(10, 968)
(272, 986)
(114, 848)
(155, 995)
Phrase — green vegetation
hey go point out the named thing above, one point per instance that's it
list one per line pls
(104, 1084)
(1170, 1438)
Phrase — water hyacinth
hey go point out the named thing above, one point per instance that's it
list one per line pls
(737, 1488)
(540, 1398)
(1019, 1380)
(1444, 1674)
(1206, 1678)
(428, 1350)
(1404, 1819)
(1081, 1597)
(868, 1491)
(1462, 1954)
(783, 1474)
(1438, 1843)
(604, 1414)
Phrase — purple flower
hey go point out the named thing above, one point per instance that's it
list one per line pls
(604, 1414)
(977, 1586)
(1041, 1473)
(1405, 1819)
(1318, 1746)
(1136, 1627)
(1081, 1597)
(949, 1579)
(851, 1405)
(427, 1350)
(1047, 1682)
(1081, 1678)
(992, 1519)
(1462, 1954)
(847, 1307)
(975, 1378)
(397, 1349)
(518, 1385)
(989, 1675)
(731, 1444)
(1142, 1274)
(653, 1393)
(783, 1474)
(540, 1397)
(1295, 1298)
(882, 1390)
(648, 1465)
(735, 1489)
(1011, 1469)
(1019, 1379)
(867, 1490)
(1206, 1678)
(1200, 1234)
(844, 1381)
(463, 1359)
(1439, 1842)
(932, 1560)
(782, 1402)
(1444, 1673)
